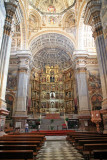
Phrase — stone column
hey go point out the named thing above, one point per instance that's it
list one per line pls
(81, 78)
(22, 89)
(4, 58)
(104, 19)
(92, 17)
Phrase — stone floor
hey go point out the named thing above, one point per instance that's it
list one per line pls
(57, 149)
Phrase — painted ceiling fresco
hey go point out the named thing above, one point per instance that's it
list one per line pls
(52, 6)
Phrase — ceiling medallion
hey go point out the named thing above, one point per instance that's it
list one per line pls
(51, 9)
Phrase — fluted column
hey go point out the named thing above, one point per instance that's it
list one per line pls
(22, 89)
(82, 87)
(5, 56)
(92, 17)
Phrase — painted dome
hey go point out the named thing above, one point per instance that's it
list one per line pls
(52, 6)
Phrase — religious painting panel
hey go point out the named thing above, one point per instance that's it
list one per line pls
(96, 101)
(43, 87)
(61, 87)
(12, 80)
(48, 87)
(94, 88)
(9, 102)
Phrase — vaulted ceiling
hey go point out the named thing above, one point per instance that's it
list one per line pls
(52, 6)
(52, 49)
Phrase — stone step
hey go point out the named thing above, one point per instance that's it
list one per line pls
(47, 125)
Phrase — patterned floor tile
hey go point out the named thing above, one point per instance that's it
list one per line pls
(58, 150)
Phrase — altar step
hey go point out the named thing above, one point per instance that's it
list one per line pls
(47, 125)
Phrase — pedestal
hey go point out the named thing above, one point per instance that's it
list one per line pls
(19, 123)
(3, 113)
(84, 119)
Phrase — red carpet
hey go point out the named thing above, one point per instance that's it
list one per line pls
(52, 116)
(54, 133)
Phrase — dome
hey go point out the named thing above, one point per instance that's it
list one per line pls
(52, 6)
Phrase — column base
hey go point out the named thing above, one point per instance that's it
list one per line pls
(20, 119)
(104, 113)
(84, 120)
(3, 106)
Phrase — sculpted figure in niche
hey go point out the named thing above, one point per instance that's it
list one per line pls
(52, 79)
(48, 78)
(52, 95)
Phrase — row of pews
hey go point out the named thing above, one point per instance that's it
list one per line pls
(90, 145)
(21, 146)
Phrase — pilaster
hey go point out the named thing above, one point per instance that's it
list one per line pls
(104, 19)
(81, 77)
(92, 18)
(5, 56)
(22, 89)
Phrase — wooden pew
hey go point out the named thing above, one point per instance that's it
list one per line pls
(81, 139)
(26, 136)
(100, 154)
(82, 142)
(16, 154)
(82, 135)
(20, 147)
(88, 149)
(75, 141)
(21, 139)
(23, 135)
(21, 143)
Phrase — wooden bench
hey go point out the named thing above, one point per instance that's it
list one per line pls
(26, 136)
(82, 142)
(21, 143)
(16, 154)
(100, 154)
(82, 135)
(21, 139)
(75, 141)
(20, 147)
(88, 149)
(23, 135)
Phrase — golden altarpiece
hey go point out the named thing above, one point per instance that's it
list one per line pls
(52, 91)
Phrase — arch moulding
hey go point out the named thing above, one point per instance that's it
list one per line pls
(53, 31)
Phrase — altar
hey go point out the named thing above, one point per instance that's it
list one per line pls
(53, 110)
(50, 110)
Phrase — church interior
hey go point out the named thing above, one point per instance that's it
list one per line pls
(53, 79)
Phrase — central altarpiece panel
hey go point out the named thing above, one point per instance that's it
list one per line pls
(52, 91)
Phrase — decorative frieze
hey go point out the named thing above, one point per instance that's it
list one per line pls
(92, 61)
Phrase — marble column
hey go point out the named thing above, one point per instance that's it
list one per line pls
(82, 87)
(104, 19)
(92, 17)
(22, 88)
(4, 58)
